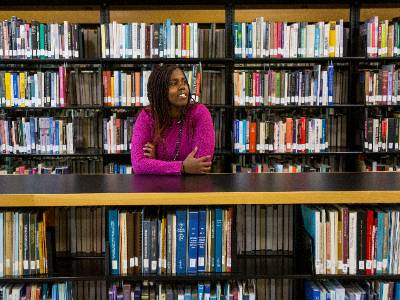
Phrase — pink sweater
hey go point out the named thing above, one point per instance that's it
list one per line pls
(197, 131)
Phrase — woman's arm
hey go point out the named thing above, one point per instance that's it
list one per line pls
(204, 135)
(141, 135)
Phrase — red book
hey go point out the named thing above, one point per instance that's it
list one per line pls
(369, 242)
(289, 134)
(106, 82)
(303, 136)
(253, 137)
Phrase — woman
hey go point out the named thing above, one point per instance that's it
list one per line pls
(172, 135)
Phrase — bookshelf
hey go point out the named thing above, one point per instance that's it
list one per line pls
(214, 190)
(253, 189)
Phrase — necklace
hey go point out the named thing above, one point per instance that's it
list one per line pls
(178, 140)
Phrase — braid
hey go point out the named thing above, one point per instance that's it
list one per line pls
(157, 92)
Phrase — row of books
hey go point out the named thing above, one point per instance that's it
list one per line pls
(382, 134)
(295, 87)
(56, 165)
(23, 248)
(334, 289)
(79, 230)
(261, 38)
(74, 87)
(20, 39)
(69, 290)
(245, 290)
(382, 86)
(168, 40)
(263, 229)
(264, 164)
(219, 118)
(36, 135)
(389, 163)
(117, 168)
(117, 134)
(170, 242)
(380, 38)
(291, 134)
(130, 88)
(353, 240)
(63, 88)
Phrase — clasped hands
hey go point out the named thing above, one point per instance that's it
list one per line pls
(190, 165)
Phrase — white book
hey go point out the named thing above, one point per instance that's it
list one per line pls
(286, 42)
(244, 40)
(135, 53)
(196, 40)
(310, 32)
(123, 40)
(252, 50)
(173, 42)
(337, 44)
(326, 39)
(191, 40)
(114, 40)
(294, 28)
(143, 40)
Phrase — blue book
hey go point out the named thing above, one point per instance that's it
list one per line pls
(167, 38)
(396, 290)
(113, 232)
(201, 243)
(181, 236)
(51, 142)
(249, 35)
(308, 214)
(238, 53)
(193, 229)
(379, 241)
(316, 40)
(57, 136)
(311, 290)
(200, 291)
(188, 293)
(244, 142)
(119, 89)
(323, 134)
(218, 240)
(237, 140)
(207, 290)
(330, 84)
(15, 80)
(54, 292)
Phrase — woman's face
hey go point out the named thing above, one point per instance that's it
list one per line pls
(178, 89)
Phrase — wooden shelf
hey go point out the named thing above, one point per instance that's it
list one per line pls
(223, 189)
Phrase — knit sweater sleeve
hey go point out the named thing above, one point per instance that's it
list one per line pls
(204, 135)
(141, 135)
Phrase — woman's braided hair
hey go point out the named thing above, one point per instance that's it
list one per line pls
(157, 92)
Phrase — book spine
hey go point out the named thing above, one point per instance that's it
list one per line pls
(193, 240)
(114, 240)
(181, 241)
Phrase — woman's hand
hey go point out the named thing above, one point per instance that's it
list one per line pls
(149, 151)
(192, 165)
